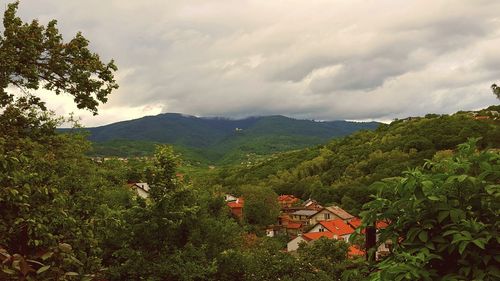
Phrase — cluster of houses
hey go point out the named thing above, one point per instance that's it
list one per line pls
(306, 222)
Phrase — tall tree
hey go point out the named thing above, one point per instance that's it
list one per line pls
(261, 205)
(34, 56)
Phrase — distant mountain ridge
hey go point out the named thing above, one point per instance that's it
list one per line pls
(176, 127)
(221, 136)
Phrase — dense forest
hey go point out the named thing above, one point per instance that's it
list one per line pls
(434, 180)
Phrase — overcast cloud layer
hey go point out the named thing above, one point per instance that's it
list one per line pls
(326, 60)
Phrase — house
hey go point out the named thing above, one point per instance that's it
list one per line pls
(331, 213)
(293, 228)
(339, 229)
(236, 207)
(286, 201)
(141, 188)
(340, 213)
(312, 205)
(229, 198)
(293, 245)
(302, 216)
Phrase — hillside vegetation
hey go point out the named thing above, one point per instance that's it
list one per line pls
(342, 170)
(216, 140)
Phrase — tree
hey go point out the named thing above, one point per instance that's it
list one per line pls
(34, 56)
(328, 255)
(51, 203)
(261, 205)
(496, 90)
(443, 219)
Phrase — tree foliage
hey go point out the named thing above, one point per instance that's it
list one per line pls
(442, 219)
(34, 56)
(261, 206)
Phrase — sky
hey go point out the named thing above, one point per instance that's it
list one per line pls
(315, 59)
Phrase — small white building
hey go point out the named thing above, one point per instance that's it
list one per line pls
(230, 198)
(142, 189)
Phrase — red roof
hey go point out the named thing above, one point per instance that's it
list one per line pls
(355, 251)
(236, 204)
(316, 235)
(357, 222)
(337, 227)
(294, 225)
(287, 197)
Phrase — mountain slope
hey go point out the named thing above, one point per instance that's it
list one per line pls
(218, 139)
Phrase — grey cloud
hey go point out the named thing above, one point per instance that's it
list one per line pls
(319, 59)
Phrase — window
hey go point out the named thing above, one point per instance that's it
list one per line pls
(321, 230)
(327, 216)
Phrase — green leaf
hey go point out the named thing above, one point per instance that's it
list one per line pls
(42, 269)
(443, 215)
(71, 274)
(479, 242)
(462, 246)
(434, 198)
(47, 255)
(423, 236)
(8, 271)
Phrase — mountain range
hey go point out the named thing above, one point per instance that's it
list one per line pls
(217, 140)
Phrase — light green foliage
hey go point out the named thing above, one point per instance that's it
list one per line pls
(443, 219)
(33, 55)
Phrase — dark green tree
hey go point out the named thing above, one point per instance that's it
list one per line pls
(261, 205)
(34, 56)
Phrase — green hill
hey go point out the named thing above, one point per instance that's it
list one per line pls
(217, 140)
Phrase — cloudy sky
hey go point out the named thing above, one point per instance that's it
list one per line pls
(314, 59)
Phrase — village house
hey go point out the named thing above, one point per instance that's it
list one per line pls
(294, 244)
(236, 207)
(287, 201)
(302, 216)
(313, 216)
(306, 238)
(312, 205)
(141, 188)
(339, 229)
(229, 198)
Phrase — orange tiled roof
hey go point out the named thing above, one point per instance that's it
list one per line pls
(316, 235)
(337, 227)
(355, 251)
(287, 197)
(236, 204)
(294, 225)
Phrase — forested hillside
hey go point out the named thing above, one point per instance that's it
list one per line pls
(216, 140)
(342, 170)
